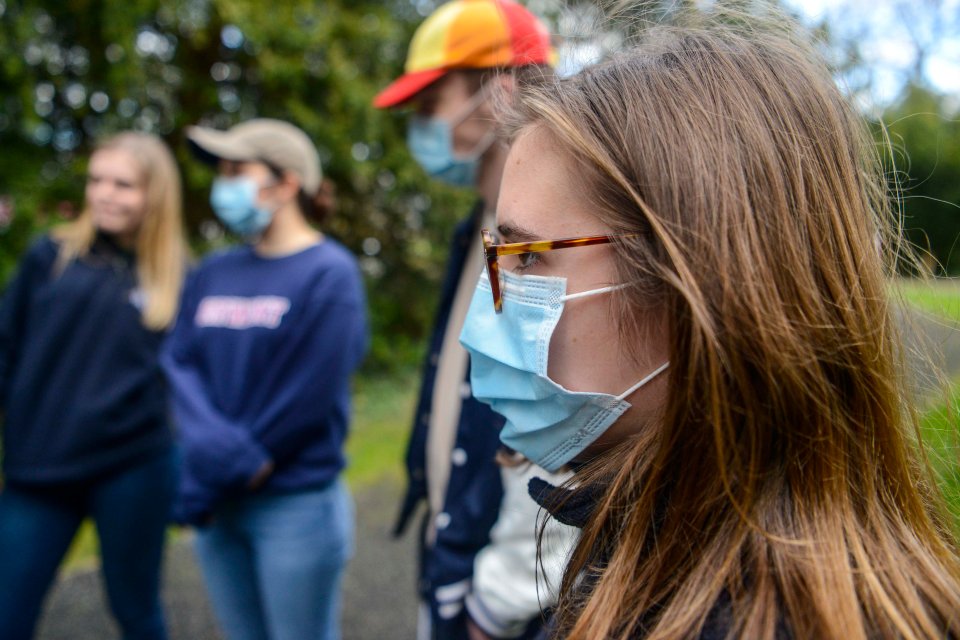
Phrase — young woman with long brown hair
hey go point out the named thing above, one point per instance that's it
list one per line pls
(85, 430)
(712, 344)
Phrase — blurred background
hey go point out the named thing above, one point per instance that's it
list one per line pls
(74, 70)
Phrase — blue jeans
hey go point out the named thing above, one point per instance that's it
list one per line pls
(273, 563)
(130, 508)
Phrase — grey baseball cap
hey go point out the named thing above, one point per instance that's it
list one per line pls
(274, 142)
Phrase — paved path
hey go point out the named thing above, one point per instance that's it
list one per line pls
(378, 589)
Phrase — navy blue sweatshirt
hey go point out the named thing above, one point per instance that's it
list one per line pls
(80, 381)
(259, 364)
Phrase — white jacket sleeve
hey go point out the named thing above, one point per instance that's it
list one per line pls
(510, 586)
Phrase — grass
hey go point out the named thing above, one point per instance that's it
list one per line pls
(940, 297)
(942, 439)
(939, 425)
(84, 550)
(383, 414)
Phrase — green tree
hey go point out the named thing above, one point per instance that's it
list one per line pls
(76, 70)
(924, 167)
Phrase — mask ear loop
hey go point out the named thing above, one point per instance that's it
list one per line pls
(472, 105)
(592, 292)
(648, 378)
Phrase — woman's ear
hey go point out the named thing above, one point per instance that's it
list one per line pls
(289, 185)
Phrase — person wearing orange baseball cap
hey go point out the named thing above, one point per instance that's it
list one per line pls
(458, 57)
(478, 560)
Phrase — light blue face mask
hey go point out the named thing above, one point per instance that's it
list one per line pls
(431, 144)
(234, 202)
(508, 370)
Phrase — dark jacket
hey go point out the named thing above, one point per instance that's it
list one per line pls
(575, 508)
(80, 381)
(475, 489)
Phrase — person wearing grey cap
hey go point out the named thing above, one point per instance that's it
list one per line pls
(259, 363)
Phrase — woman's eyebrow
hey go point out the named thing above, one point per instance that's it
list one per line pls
(515, 233)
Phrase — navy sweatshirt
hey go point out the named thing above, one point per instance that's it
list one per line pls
(80, 381)
(259, 364)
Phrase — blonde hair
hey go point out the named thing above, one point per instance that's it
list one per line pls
(161, 251)
(781, 488)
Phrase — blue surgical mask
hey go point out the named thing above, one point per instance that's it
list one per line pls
(431, 144)
(234, 201)
(546, 423)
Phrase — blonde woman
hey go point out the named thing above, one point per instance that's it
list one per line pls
(85, 429)
(705, 333)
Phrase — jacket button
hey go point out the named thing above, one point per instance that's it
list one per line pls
(458, 457)
(443, 520)
(465, 390)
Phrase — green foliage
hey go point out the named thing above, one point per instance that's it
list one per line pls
(77, 70)
(925, 164)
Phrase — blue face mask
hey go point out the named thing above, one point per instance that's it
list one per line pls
(508, 370)
(431, 144)
(234, 201)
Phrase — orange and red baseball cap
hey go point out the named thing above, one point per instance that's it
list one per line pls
(469, 34)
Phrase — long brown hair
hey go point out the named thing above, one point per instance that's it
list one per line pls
(160, 247)
(783, 479)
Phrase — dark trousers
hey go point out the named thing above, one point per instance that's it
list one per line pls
(130, 508)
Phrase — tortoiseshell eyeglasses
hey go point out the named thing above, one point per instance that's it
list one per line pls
(492, 252)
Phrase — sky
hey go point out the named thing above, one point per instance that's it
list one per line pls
(886, 31)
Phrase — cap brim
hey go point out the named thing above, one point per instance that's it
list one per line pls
(211, 145)
(404, 88)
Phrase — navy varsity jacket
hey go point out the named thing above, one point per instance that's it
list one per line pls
(474, 490)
